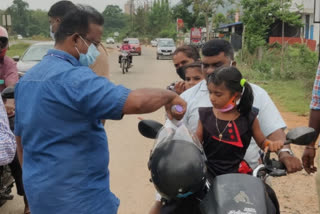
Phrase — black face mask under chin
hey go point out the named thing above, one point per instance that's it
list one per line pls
(181, 74)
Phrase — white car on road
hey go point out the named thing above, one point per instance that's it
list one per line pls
(110, 40)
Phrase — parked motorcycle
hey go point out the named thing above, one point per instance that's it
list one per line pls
(178, 171)
(6, 179)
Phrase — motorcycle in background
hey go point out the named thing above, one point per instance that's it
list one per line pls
(125, 61)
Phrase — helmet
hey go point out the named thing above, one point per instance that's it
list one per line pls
(125, 41)
(3, 32)
(177, 164)
(3, 42)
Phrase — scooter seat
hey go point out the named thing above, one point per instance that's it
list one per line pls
(235, 194)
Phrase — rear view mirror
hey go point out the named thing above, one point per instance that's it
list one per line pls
(8, 93)
(16, 58)
(149, 128)
(301, 136)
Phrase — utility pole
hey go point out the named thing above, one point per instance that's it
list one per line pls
(6, 21)
(131, 13)
(282, 39)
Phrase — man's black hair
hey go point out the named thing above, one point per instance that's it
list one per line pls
(61, 8)
(189, 50)
(196, 64)
(215, 46)
(77, 21)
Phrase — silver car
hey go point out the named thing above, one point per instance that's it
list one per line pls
(165, 48)
(32, 56)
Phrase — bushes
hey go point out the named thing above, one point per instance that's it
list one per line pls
(299, 62)
(291, 87)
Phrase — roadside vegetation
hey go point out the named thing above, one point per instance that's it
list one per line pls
(287, 72)
(17, 49)
(290, 88)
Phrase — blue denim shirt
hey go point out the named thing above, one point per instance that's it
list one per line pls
(59, 107)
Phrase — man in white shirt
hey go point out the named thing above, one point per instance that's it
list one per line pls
(217, 53)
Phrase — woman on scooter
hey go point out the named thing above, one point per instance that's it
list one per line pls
(227, 128)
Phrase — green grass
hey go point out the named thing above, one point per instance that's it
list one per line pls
(17, 49)
(289, 95)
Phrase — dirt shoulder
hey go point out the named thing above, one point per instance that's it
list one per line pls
(296, 192)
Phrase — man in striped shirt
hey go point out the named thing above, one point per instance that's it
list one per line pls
(314, 121)
(7, 139)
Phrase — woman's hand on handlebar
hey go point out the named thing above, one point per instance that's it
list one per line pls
(273, 146)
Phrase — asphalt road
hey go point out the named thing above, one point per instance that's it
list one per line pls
(129, 151)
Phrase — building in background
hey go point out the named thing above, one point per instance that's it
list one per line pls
(307, 34)
(129, 7)
(310, 29)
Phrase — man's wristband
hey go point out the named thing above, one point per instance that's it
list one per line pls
(286, 150)
(311, 147)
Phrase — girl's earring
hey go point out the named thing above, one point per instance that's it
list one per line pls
(238, 101)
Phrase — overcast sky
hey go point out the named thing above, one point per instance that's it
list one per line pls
(46, 4)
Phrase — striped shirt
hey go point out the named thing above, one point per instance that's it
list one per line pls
(7, 139)
(315, 102)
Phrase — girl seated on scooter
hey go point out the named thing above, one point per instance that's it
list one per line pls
(227, 128)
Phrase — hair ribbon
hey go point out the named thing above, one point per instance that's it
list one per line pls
(242, 82)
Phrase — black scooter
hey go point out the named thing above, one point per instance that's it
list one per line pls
(240, 193)
(6, 179)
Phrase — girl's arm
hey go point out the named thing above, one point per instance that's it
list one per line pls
(199, 132)
(262, 141)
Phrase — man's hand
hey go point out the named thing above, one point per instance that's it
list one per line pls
(10, 109)
(292, 163)
(10, 106)
(308, 160)
(179, 87)
(176, 115)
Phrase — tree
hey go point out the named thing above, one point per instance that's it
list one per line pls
(160, 18)
(114, 19)
(219, 19)
(258, 15)
(39, 24)
(208, 9)
(141, 20)
(20, 17)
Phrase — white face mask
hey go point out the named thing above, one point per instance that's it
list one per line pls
(51, 33)
(90, 57)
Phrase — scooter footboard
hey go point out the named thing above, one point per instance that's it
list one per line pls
(235, 194)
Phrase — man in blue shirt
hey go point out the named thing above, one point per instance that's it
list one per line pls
(60, 102)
